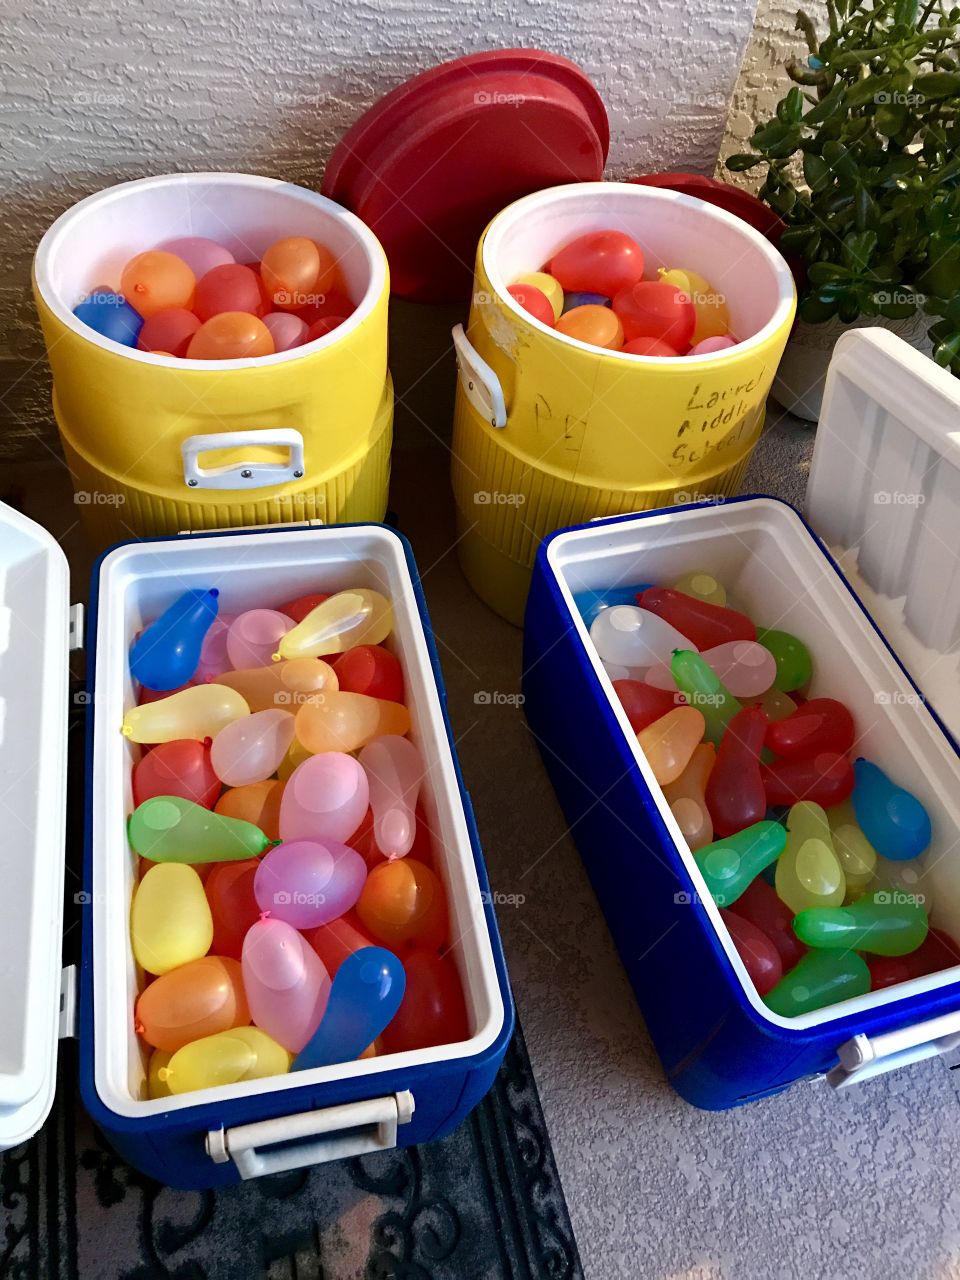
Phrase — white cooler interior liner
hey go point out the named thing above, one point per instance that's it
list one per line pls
(760, 551)
(254, 571)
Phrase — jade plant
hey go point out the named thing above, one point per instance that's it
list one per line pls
(863, 165)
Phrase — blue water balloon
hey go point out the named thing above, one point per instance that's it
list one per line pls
(892, 819)
(582, 299)
(166, 655)
(364, 998)
(111, 316)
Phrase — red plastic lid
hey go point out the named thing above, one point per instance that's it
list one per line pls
(723, 194)
(428, 166)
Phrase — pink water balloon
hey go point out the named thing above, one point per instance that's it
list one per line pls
(712, 346)
(286, 329)
(213, 652)
(395, 773)
(251, 749)
(253, 637)
(660, 676)
(309, 882)
(286, 983)
(325, 797)
(200, 254)
(744, 666)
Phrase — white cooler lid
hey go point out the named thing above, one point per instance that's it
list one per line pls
(884, 494)
(34, 694)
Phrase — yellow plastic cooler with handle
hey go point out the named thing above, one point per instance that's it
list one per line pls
(157, 444)
(549, 431)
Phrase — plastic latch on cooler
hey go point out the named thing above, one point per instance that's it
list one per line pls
(68, 1003)
(864, 1057)
(350, 1129)
(252, 473)
(480, 384)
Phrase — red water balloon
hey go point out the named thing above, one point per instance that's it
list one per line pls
(598, 262)
(826, 779)
(652, 309)
(651, 347)
(735, 793)
(168, 331)
(373, 670)
(340, 938)
(299, 608)
(432, 1011)
(760, 905)
(706, 625)
(229, 288)
(179, 768)
(229, 888)
(643, 703)
(534, 301)
(760, 957)
(821, 724)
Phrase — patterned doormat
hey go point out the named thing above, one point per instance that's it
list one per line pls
(481, 1204)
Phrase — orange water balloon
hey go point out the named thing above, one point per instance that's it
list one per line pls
(232, 335)
(403, 901)
(687, 797)
(257, 802)
(289, 271)
(193, 1000)
(155, 281)
(669, 742)
(600, 326)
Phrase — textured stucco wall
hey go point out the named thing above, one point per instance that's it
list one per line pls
(94, 94)
(763, 81)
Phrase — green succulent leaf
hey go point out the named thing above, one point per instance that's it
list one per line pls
(938, 84)
(739, 163)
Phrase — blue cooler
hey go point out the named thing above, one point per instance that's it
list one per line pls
(212, 1137)
(885, 491)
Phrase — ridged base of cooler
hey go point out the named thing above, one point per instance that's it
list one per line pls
(506, 505)
(112, 510)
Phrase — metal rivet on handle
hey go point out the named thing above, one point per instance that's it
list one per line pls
(246, 473)
(192, 483)
(298, 475)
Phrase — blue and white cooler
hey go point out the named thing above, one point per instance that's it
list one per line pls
(215, 1136)
(872, 585)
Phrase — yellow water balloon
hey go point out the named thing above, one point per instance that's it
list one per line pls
(197, 713)
(170, 920)
(344, 620)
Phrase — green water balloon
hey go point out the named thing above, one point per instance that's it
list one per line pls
(730, 865)
(819, 979)
(703, 689)
(884, 923)
(794, 664)
(171, 829)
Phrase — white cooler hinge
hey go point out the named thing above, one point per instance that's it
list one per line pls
(351, 1129)
(75, 635)
(864, 1057)
(68, 1002)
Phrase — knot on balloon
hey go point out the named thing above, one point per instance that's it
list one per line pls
(276, 657)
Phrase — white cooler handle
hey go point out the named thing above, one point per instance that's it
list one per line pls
(480, 384)
(866, 1056)
(243, 475)
(352, 1129)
